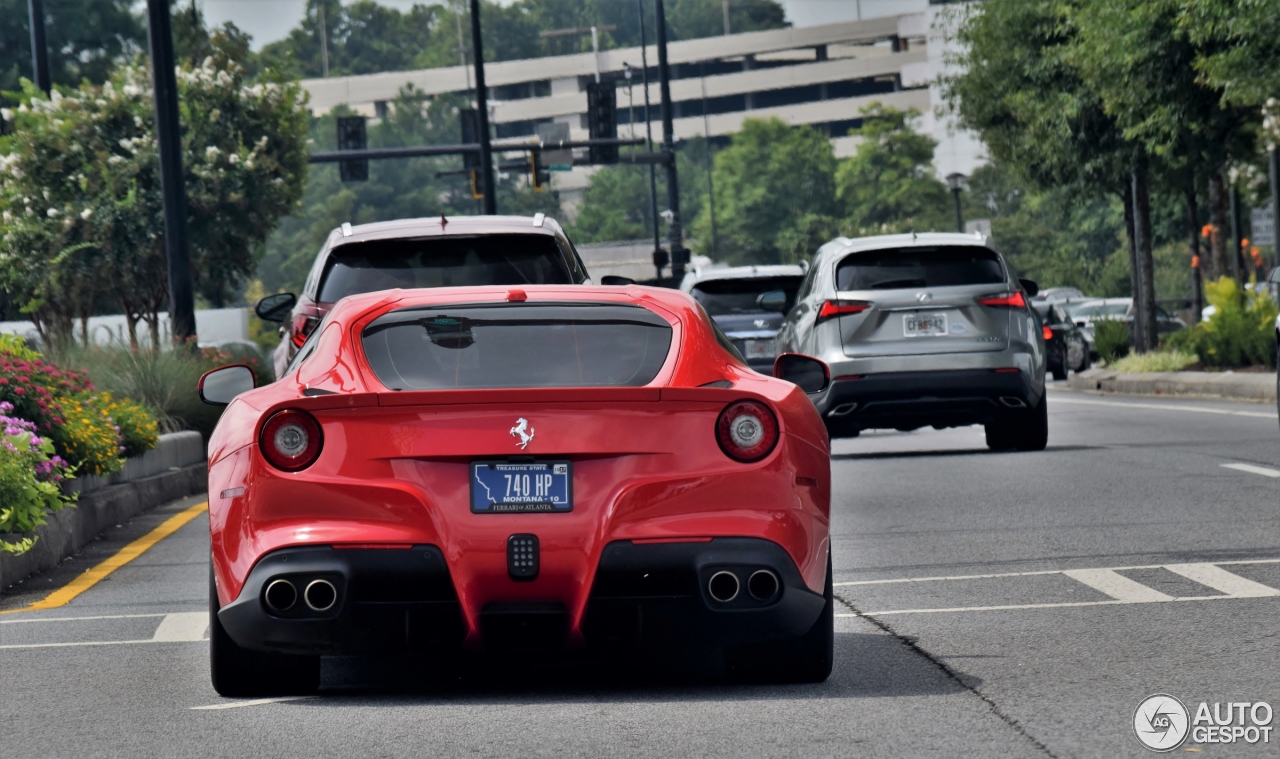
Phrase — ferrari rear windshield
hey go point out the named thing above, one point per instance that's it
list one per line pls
(453, 261)
(932, 266)
(517, 345)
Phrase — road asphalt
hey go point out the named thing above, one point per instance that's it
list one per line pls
(1010, 605)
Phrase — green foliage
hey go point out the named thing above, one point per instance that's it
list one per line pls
(80, 206)
(89, 436)
(1241, 43)
(30, 475)
(767, 181)
(139, 431)
(1241, 331)
(1154, 361)
(1111, 339)
(889, 185)
(84, 38)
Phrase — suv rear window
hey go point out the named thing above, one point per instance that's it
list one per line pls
(517, 345)
(453, 261)
(738, 296)
(935, 266)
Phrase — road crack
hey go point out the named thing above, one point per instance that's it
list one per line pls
(994, 708)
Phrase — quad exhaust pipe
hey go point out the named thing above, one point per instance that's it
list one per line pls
(281, 595)
(320, 595)
(723, 587)
(763, 585)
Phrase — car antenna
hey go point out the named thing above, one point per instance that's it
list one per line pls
(443, 221)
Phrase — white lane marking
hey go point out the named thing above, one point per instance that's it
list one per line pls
(254, 702)
(1032, 606)
(1031, 574)
(74, 645)
(1117, 586)
(1251, 469)
(77, 619)
(1166, 407)
(1223, 581)
(186, 627)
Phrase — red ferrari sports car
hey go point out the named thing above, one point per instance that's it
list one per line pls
(494, 469)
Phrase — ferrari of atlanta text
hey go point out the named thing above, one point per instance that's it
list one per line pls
(497, 469)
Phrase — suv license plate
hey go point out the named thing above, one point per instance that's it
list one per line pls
(925, 325)
(761, 349)
(504, 487)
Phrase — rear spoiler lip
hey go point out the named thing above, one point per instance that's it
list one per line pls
(504, 396)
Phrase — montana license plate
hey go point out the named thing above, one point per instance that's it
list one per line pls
(502, 487)
(925, 325)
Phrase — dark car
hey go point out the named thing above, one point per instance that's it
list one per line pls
(422, 253)
(1064, 341)
(735, 299)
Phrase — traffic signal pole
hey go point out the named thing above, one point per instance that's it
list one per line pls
(182, 315)
(482, 106)
(39, 48)
(679, 256)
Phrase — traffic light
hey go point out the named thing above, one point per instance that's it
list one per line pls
(537, 176)
(602, 120)
(352, 135)
(470, 119)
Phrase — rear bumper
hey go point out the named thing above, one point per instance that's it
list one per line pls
(644, 595)
(910, 400)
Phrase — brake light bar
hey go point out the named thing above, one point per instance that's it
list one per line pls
(1005, 300)
(834, 308)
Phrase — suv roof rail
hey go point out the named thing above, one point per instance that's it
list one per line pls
(539, 219)
(346, 229)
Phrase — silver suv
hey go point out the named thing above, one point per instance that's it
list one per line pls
(922, 330)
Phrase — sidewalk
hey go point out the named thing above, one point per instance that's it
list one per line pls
(1257, 388)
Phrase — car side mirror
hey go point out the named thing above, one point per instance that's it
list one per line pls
(275, 308)
(220, 386)
(775, 300)
(611, 279)
(809, 374)
(1030, 286)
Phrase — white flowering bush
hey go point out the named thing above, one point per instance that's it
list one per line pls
(81, 215)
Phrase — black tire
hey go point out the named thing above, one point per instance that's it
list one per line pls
(1028, 431)
(1084, 360)
(239, 673)
(1059, 371)
(806, 659)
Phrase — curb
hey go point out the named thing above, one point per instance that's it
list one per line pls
(1255, 388)
(103, 505)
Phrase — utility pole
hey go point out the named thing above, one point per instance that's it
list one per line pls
(711, 185)
(182, 315)
(658, 253)
(324, 41)
(39, 48)
(725, 6)
(482, 113)
(1275, 204)
(675, 236)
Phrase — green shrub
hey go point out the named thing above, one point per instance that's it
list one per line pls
(1111, 339)
(89, 436)
(14, 345)
(139, 430)
(1241, 331)
(1156, 361)
(30, 475)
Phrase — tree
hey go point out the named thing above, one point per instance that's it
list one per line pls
(770, 178)
(85, 39)
(82, 216)
(1241, 44)
(890, 182)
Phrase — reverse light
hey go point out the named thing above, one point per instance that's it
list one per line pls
(747, 431)
(1048, 333)
(291, 440)
(1005, 300)
(834, 308)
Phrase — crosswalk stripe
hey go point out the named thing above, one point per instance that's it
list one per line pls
(1223, 581)
(1117, 586)
(182, 628)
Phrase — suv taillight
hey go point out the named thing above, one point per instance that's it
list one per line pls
(303, 326)
(291, 440)
(747, 431)
(1005, 300)
(833, 308)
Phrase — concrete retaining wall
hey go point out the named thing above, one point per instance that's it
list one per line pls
(175, 469)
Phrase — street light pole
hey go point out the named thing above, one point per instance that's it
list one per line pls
(956, 182)
(658, 253)
(482, 114)
(39, 47)
(182, 315)
(675, 230)
(1275, 205)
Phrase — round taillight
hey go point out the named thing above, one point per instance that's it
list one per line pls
(291, 440)
(747, 431)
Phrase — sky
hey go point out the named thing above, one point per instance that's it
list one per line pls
(270, 20)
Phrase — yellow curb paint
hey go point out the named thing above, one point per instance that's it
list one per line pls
(62, 596)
